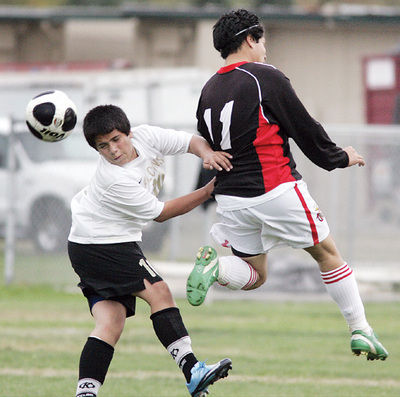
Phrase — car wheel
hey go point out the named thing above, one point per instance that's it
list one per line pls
(50, 224)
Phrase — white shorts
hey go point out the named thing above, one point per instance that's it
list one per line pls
(293, 218)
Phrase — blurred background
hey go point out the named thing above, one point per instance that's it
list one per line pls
(152, 58)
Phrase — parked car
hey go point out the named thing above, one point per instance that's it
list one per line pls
(39, 190)
(45, 178)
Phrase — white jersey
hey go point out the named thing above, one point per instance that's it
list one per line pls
(120, 200)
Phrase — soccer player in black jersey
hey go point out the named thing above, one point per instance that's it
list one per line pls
(250, 110)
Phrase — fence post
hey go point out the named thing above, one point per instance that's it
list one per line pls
(9, 260)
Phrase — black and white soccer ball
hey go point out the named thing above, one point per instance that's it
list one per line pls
(51, 116)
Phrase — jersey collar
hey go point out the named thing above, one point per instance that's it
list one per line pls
(228, 68)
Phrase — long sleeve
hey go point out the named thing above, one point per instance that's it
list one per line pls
(295, 122)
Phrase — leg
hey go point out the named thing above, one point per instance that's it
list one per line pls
(168, 324)
(244, 273)
(259, 264)
(157, 295)
(341, 285)
(233, 272)
(326, 254)
(170, 330)
(110, 319)
(98, 351)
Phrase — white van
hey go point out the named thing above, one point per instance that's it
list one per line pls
(45, 178)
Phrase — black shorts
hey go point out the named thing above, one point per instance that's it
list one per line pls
(111, 271)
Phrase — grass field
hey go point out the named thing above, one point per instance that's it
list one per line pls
(278, 349)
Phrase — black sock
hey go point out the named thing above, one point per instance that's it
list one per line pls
(95, 359)
(170, 330)
(168, 325)
(186, 364)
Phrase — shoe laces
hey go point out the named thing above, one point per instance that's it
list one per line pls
(200, 365)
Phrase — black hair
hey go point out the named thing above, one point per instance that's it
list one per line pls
(232, 29)
(102, 120)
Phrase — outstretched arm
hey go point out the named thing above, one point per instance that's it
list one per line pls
(182, 205)
(211, 159)
(295, 122)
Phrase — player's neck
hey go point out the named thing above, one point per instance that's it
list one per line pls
(238, 57)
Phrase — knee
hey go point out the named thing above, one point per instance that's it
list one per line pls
(109, 330)
(326, 254)
(259, 265)
(114, 329)
(161, 296)
(262, 278)
(162, 291)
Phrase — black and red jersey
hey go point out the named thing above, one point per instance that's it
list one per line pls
(251, 110)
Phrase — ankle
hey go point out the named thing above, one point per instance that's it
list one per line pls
(366, 330)
(87, 387)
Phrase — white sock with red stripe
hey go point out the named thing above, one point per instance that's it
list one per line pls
(236, 273)
(342, 286)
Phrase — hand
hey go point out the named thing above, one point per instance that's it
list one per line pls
(354, 157)
(217, 160)
(209, 187)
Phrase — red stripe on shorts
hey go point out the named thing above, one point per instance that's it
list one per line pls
(308, 214)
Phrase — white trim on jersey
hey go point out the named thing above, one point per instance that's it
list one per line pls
(259, 90)
(266, 64)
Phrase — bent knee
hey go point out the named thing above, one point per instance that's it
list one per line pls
(262, 278)
(109, 332)
(159, 296)
(161, 290)
(114, 329)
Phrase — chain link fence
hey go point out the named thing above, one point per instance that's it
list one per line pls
(39, 180)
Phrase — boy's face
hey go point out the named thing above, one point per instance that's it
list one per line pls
(116, 147)
(260, 53)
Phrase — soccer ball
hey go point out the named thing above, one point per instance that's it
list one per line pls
(51, 116)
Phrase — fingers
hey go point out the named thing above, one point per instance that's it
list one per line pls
(219, 161)
(209, 187)
(354, 157)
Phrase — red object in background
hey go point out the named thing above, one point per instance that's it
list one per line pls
(381, 75)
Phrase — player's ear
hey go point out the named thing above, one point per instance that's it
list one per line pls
(130, 135)
(250, 41)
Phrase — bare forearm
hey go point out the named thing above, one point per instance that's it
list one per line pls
(182, 205)
(199, 146)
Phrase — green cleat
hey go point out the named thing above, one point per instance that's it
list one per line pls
(203, 275)
(369, 345)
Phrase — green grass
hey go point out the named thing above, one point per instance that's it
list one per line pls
(278, 349)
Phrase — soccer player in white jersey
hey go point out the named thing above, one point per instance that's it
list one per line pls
(107, 221)
(249, 109)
